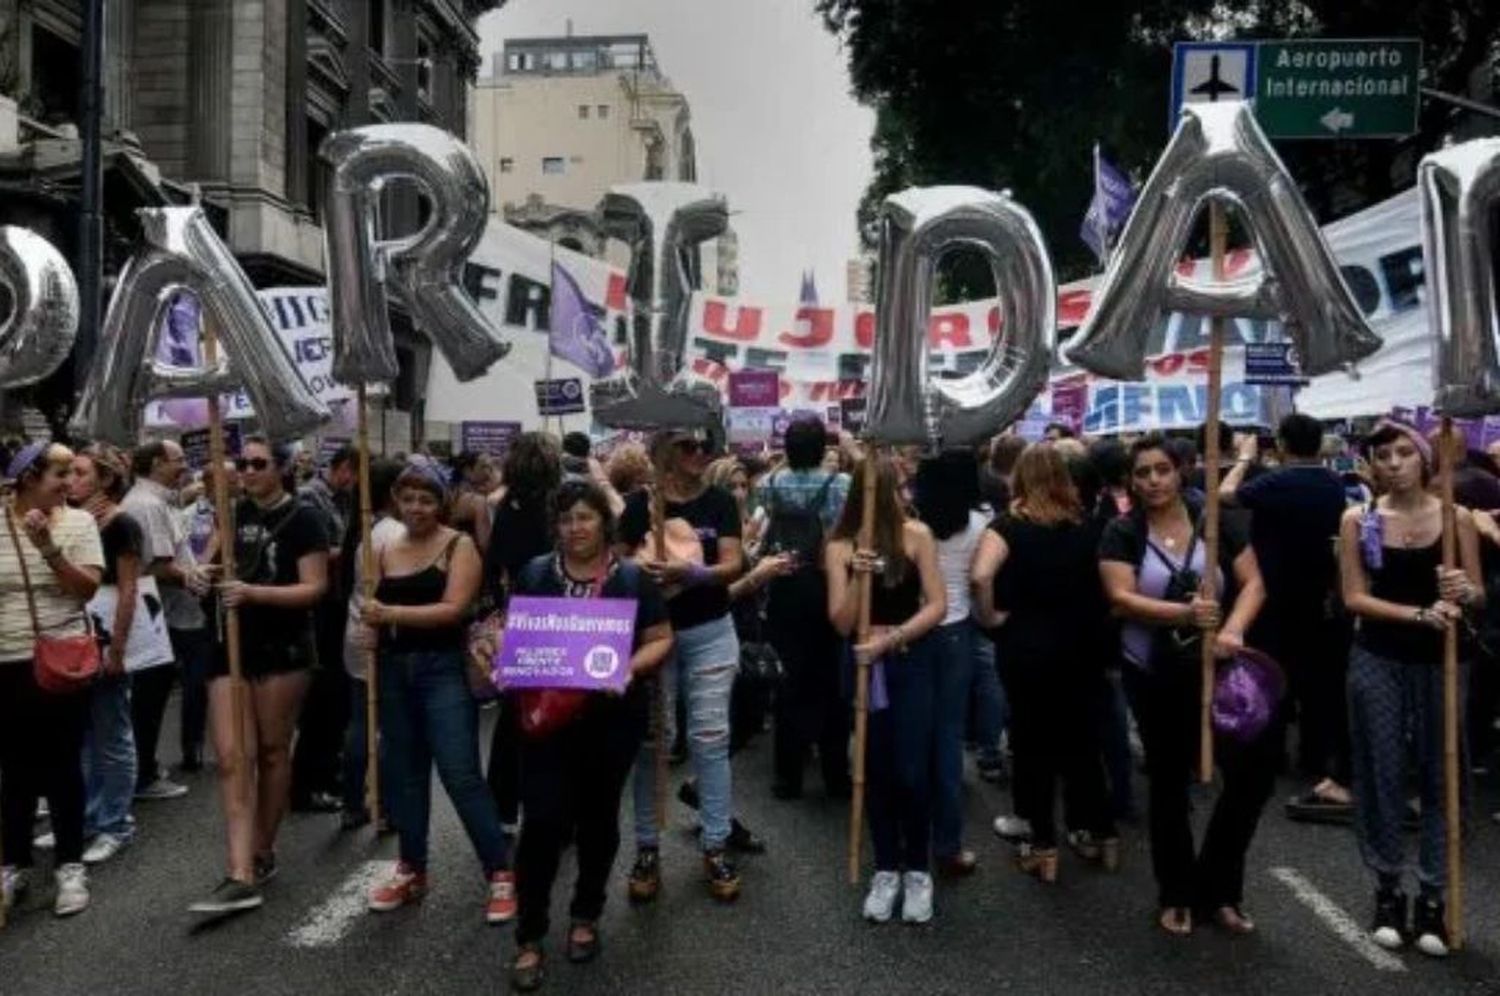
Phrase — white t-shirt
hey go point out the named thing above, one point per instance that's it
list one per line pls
(955, 559)
(382, 533)
(58, 614)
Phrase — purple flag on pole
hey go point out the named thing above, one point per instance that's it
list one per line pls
(178, 345)
(1114, 196)
(575, 332)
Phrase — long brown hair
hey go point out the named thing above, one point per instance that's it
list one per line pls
(890, 517)
(1043, 490)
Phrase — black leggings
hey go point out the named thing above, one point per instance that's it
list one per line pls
(1166, 707)
(41, 744)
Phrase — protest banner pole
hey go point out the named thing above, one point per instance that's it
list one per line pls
(659, 701)
(1218, 236)
(367, 594)
(1452, 773)
(862, 671)
(223, 515)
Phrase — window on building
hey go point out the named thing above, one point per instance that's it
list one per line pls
(507, 165)
(557, 61)
(513, 61)
(601, 112)
(55, 65)
(317, 170)
(378, 15)
(583, 112)
(424, 68)
(554, 165)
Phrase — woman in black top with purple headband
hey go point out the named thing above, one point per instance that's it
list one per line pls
(1390, 559)
(428, 582)
(907, 601)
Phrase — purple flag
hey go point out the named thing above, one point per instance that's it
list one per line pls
(575, 333)
(178, 345)
(1114, 196)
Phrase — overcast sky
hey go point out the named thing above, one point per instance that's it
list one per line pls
(777, 130)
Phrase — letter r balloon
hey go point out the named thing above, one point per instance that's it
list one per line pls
(182, 253)
(423, 271)
(918, 227)
(1218, 152)
(1460, 188)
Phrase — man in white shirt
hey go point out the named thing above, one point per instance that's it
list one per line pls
(160, 468)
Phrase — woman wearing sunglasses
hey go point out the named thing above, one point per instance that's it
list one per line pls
(281, 559)
(703, 556)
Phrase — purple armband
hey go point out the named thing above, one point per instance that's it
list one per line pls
(697, 576)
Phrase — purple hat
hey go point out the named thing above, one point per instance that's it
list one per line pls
(1389, 425)
(25, 458)
(1247, 692)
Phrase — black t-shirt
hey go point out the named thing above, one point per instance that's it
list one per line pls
(122, 537)
(1295, 513)
(1124, 540)
(1049, 584)
(268, 544)
(713, 515)
(521, 532)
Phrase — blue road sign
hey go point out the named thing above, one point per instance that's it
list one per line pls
(1207, 72)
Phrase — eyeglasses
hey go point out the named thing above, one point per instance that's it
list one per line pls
(251, 463)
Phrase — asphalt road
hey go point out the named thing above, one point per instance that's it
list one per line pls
(796, 929)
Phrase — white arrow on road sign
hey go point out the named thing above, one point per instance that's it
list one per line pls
(1337, 120)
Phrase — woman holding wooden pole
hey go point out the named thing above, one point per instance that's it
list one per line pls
(888, 592)
(1409, 604)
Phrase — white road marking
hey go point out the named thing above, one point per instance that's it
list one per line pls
(327, 924)
(1337, 920)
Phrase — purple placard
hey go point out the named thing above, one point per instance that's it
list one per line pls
(754, 389)
(582, 643)
(1070, 404)
(487, 437)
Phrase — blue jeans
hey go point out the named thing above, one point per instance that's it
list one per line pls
(109, 760)
(953, 664)
(356, 761)
(702, 666)
(899, 756)
(989, 712)
(427, 715)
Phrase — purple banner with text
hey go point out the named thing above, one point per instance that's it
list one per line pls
(582, 643)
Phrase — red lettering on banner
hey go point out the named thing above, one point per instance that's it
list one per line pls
(833, 390)
(1185, 267)
(614, 292)
(1237, 260)
(819, 329)
(864, 330)
(746, 321)
(1168, 364)
(952, 328)
(715, 372)
(1073, 307)
(993, 320)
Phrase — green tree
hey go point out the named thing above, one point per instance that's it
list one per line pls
(1014, 93)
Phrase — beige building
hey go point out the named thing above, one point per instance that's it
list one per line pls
(561, 120)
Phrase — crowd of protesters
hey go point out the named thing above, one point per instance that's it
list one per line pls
(1041, 604)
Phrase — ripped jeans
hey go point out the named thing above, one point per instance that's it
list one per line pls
(702, 666)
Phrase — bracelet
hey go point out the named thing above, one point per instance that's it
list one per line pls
(1422, 615)
(697, 576)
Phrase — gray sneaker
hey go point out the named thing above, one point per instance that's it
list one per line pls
(161, 788)
(14, 883)
(102, 848)
(231, 896)
(72, 890)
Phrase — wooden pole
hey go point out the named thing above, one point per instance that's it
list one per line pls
(862, 671)
(1452, 766)
(1217, 237)
(224, 514)
(659, 702)
(367, 594)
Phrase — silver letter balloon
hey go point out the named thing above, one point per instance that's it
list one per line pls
(43, 321)
(663, 223)
(422, 271)
(182, 253)
(1219, 152)
(1460, 189)
(918, 227)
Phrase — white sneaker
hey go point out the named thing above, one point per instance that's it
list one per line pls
(72, 890)
(45, 841)
(916, 903)
(881, 902)
(102, 848)
(161, 788)
(1010, 827)
(13, 884)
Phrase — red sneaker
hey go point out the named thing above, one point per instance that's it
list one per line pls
(405, 885)
(502, 905)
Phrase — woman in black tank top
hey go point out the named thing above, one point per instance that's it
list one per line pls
(428, 582)
(907, 601)
(1390, 558)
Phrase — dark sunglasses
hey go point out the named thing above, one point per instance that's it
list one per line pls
(251, 463)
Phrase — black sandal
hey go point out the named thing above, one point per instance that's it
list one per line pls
(586, 950)
(530, 978)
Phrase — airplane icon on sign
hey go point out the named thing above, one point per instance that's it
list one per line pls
(1214, 86)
